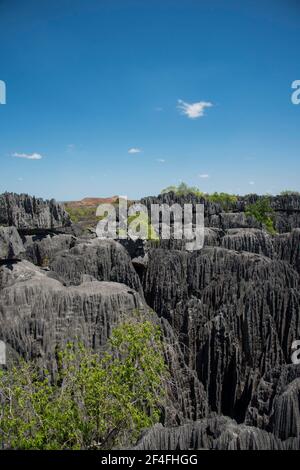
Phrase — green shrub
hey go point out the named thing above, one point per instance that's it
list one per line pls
(95, 401)
(261, 210)
(289, 192)
(224, 199)
(182, 190)
(45, 262)
(78, 214)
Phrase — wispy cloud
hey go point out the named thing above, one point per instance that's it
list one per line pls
(252, 182)
(193, 110)
(160, 160)
(133, 150)
(203, 175)
(28, 156)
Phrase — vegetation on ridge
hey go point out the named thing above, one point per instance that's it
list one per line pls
(96, 401)
(85, 215)
(289, 192)
(262, 211)
(224, 199)
(182, 190)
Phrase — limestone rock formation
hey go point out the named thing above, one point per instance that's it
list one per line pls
(228, 220)
(105, 260)
(229, 312)
(41, 249)
(11, 245)
(186, 399)
(235, 313)
(30, 213)
(250, 239)
(215, 433)
(275, 406)
(287, 247)
(37, 312)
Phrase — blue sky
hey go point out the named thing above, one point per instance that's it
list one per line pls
(89, 80)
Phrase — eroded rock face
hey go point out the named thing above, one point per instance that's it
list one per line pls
(29, 213)
(250, 239)
(235, 313)
(287, 247)
(105, 260)
(11, 245)
(275, 405)
(37, 312)
(215, 433)
(229, 220)
(187, 399)
(41, 250)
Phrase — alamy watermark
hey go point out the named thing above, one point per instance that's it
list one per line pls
(295, 357)
(296, 94)
(161, 221)
(2, 353)
(2, 92)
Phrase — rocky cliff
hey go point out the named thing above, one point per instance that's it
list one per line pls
(30, 213)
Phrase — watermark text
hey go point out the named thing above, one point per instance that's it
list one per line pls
(296, 94)
(160, 221)
(2, 92)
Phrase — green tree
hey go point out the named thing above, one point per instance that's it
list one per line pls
(224, 199)
(96, 401)
(262, 211)
(182, 190)
(289, 192)
(169, 189)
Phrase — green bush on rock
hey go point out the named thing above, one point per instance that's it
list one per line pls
(96, 401)
(261, 210)
(182, 190)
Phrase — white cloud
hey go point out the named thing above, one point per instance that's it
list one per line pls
(203, 175)
(20, 179)
(193, 110)
(28, 156)
(251, 182)
(160, 160)
(133, 150)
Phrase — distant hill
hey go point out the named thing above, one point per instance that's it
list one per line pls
(83, 212)
(91, 201)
